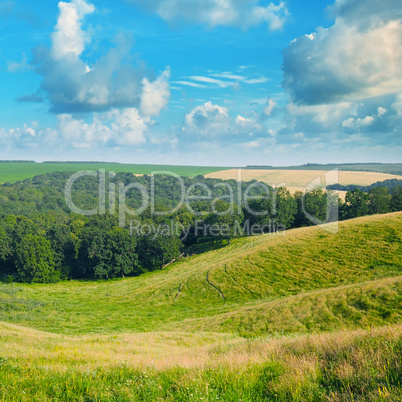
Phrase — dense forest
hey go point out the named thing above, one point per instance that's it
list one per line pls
(43, 240)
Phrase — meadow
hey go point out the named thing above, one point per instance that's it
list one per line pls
(306, 315)
(17, 171)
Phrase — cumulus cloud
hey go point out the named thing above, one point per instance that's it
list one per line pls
(212, 13)
(359, 57)
(116, 128)
(155, 95)
(361, 13)
(69, 36)
(213, 124)
(207, 120)
(397, 105)
(373, 121)
(361, 122)
(28, 136)
(74, 86)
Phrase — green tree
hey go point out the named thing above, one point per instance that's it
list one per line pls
(286, 207)
(159, 247)
(312, 205)
(223, 221)
(379, 200)
(356, 204)
(124, 259)
(396, 199)
(34, 260)
(5, 246)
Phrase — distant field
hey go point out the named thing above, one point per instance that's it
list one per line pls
(390, 168)
(296, 180)
(17, 171)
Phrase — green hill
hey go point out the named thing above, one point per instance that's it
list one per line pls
(318, 281)
(302, 316)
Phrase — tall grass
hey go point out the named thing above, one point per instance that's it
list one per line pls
(359, 366)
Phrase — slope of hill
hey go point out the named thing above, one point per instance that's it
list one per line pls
(189, 332)
(319, 281)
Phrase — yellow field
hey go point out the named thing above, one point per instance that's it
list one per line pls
(298, 179)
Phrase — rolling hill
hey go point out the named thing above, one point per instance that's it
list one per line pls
(306, 316)
(344, 280)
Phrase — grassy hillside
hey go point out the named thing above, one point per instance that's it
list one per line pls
(304, 316)
(319, 281)
(18, 171)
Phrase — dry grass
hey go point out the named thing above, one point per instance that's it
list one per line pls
(160, 350)
(165, 350)
(299, 179)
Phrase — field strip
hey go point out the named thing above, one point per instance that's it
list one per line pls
(296, 180)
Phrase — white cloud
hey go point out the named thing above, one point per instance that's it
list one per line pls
(271, 105)
(113, 81)
(209, 80)
(381, 111)
(69, 37)
(189, 84)
(27, 136)
(117, 127)
(366, 13)
(213, 123)
(155, 95)
(361, 122)
(123, 127)
(324, 115)
(229, 76)
(397, 106)
(212, 13)
(260, 80)
(351, 60)
(207, 120)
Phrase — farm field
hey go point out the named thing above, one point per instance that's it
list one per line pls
(390, 168)
(18, 171)
(297, 180)
(306, 315)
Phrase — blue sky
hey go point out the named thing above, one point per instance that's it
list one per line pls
(212, 82)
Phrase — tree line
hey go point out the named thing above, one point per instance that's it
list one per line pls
(41, 240)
